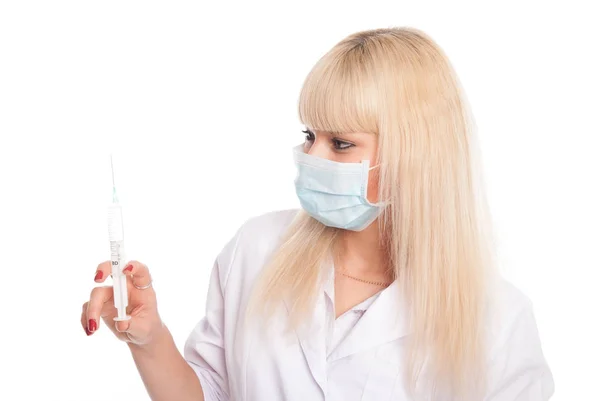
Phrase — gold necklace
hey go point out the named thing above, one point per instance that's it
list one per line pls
(379, 283)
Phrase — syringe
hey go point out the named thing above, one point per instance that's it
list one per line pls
(117, 253)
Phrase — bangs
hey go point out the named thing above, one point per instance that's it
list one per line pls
(339, 94)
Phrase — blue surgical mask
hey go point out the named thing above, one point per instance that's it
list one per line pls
(335, 193)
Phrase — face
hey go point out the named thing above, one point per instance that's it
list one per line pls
(351, 147)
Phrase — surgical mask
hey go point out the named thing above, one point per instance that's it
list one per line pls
(335, 193)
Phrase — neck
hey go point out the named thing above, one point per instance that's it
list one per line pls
(363, 251)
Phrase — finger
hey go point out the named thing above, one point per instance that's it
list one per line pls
(84, 323)
(103, 271)
(98, 297)
(139, 272)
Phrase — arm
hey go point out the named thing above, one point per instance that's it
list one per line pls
(204, 349)
(199, 375)
(166, 375)
(202, 374)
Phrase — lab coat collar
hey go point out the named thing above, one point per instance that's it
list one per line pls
(383, 321)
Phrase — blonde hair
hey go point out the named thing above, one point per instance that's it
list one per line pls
(397, 83)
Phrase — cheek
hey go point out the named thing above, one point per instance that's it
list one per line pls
(373, 187)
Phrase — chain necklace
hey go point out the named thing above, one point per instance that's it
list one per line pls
(378, 283)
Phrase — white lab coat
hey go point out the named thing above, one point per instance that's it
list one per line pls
(248, 365)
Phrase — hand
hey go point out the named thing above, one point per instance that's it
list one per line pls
(145, 323)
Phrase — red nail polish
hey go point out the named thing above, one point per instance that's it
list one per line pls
(87, 331)
(92, 326)
(99, 275)
(128, 269)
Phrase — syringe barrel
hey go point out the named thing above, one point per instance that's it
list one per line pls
(115, 223)
(117, 257)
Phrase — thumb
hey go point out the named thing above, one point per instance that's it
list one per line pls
(137, 328)
(126, 326)
(122, 325)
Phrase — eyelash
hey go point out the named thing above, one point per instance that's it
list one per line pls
(338, 144)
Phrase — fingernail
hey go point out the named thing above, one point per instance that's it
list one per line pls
(92, 325)
(99, 275)
(128, 269)
(87, 331)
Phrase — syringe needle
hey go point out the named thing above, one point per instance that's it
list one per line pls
(115, 199)
(112, 169)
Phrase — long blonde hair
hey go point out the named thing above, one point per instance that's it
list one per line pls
(398, 83)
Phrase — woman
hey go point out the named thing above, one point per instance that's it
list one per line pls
(382, 287)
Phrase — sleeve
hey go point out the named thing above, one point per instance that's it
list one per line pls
(519, 371)
(204, 349)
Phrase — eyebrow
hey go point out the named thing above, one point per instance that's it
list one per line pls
(332, 133)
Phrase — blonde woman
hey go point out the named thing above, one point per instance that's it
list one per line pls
(383, 286)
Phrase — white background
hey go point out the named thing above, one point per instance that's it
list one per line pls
(197, 101)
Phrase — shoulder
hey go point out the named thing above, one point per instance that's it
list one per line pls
(507, 299)
(254, 241)
(506, 306)
(510, 323)
(262, 233)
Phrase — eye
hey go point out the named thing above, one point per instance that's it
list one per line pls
(341, 145)
(310, 136)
